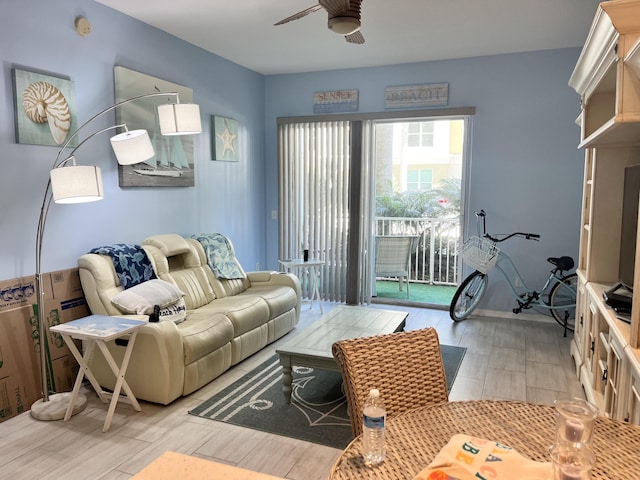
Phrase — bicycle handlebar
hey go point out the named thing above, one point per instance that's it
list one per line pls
(527, 236)
(482, 214)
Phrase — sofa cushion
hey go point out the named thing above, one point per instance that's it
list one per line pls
(193, 281)
(176, 261)
(203, 334)
(246, 313)
(221, 287)
(280, 299)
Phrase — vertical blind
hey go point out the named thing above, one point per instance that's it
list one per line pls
(366, 278)
(313, 180)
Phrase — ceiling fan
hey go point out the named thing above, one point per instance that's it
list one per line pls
(344, 18)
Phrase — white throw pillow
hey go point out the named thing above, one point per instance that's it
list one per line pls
(142, 298)
(176, 312)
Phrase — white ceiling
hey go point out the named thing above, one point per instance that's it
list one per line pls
(396, 31)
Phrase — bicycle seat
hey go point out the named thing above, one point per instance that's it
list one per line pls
(563, 263)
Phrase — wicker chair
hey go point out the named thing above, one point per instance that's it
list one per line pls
(406, 367)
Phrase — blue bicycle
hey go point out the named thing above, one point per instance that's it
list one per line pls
(557, 295)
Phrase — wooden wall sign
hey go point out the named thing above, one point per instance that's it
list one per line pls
(429, 95)
(336, 101)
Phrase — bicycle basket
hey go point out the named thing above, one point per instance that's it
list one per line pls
(480, 253)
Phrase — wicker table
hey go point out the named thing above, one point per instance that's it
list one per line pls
(414, 438)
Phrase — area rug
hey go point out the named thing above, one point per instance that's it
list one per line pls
(318, 409)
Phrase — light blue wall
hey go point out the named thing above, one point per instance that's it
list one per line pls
(38, 35)
(526, 170)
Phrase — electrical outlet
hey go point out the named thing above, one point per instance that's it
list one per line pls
(517, 282)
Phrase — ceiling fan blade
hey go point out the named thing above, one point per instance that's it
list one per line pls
(335, 7)
(355, 37)
(299, 15)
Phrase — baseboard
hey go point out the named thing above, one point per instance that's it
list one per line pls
(408, 303)
(532, 317)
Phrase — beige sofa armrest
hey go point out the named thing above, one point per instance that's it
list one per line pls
(265, 278)
(269, 277)
(261, 276)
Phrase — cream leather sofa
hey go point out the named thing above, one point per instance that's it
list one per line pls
(227, 320)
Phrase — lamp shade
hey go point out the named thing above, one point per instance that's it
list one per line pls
(179, 119)
(76, 184)
(132, 147)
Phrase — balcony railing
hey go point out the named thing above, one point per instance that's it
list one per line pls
(435, 256)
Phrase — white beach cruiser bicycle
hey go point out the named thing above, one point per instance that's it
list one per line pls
(557, 295)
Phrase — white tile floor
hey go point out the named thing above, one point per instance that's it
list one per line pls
(505, 359)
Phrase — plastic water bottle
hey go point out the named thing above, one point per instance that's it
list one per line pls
(373, 418)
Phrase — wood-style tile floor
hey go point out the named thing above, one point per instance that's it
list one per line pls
(505, 359)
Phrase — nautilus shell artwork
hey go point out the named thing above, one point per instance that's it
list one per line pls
(44, 103)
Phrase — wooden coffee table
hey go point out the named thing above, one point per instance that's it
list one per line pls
(312, 346)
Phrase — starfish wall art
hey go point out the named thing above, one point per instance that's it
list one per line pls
(224, 138)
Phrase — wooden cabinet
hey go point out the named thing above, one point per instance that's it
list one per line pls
(601, 339)
(588, 347)
(598, 347)
(607, 78)
(632, 407)
(615, 377)
(602, 211)
(581, 328)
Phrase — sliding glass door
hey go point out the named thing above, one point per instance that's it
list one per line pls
(419, 164)
(345, 179)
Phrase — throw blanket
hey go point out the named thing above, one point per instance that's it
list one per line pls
(469, 458)
(130, 262)
(220, 255)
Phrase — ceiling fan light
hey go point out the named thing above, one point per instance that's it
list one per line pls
(344, 25)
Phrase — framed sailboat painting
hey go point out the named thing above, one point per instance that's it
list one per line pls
(173, 164)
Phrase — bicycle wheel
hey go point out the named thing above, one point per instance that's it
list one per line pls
(559, 296)
(467, 296)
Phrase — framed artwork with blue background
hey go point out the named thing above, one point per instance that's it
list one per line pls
(45, 108)
(224, 139)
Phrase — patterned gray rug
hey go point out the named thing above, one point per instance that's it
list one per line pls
(318, 409)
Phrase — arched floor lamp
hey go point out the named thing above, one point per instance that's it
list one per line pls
(71, 183)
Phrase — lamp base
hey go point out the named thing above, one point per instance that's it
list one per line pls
(56, 407)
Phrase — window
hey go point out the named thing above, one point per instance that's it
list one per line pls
(419, 180)
(420, 134)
